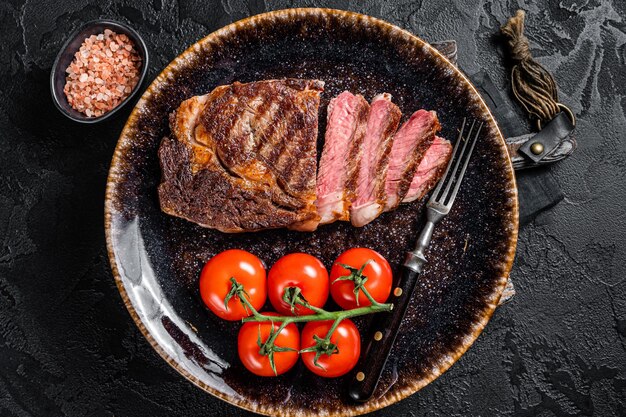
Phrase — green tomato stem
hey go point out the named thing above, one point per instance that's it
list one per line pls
(332, 330)
(317, 310)
(320, 315)
(369, 296)
(271, 340)
(326, 315)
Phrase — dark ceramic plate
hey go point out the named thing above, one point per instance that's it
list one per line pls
(156, 258)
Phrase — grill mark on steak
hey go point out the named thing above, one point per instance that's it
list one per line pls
(304, 177)
(301, 177)
(411, 143)
(383, 120)
(232, 187)
(287, 161)
(233, 146)
(274, 115)
(352, 171)
(275, 142)
(430, 169)
(275, 148)
(345, 130)
(242, 133)
(220, 125)
(266, 131)
(303, 121)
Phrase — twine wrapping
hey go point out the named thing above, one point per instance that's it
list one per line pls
(533, 86)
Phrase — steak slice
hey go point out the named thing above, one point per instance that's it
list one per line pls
(336, 178)
(383, 120)
(243, 157)
(409, 147)
(430, 169)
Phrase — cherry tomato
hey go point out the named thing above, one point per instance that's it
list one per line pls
(299, 270)
(249, 350)
(347, 340)
(215, 283)
(377, 271)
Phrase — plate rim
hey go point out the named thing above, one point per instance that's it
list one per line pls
(302, 12)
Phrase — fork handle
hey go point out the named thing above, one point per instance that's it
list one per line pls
(383, 331)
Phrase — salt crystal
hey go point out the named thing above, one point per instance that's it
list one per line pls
(104, 71)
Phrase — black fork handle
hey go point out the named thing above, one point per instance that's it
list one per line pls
(381, 338)
(385, 326)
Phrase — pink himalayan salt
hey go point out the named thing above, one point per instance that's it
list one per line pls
(103, 73)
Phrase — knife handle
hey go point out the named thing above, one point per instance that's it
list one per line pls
(383, 334)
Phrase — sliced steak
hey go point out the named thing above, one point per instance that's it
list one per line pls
(243, 157)
(383, 120)
(336, 178)
(409, 147)
(430, 169)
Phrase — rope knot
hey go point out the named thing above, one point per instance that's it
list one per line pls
(518, 42)
(520, 51)
(533, 86)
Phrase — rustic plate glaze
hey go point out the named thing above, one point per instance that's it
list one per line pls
(156, 258)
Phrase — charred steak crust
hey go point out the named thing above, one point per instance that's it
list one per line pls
(385, 152)
(413, 161)
(433, 179)
(383, 120)
(243, 157)
(336, 179)
(430, 169)
(353, 162)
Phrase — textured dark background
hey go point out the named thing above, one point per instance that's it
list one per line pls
(69, 348)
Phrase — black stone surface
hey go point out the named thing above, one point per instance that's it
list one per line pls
(69, 348)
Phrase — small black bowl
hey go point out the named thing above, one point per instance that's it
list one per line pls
(66, 55)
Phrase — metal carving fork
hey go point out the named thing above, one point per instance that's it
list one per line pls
(385, 326)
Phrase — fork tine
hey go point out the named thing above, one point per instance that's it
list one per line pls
(465, 164)
(433, 197)
(456, 165)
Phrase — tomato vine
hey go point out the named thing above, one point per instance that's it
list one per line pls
(293, 297)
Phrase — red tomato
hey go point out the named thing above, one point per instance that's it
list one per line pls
(299, 270)
(215, 283)
(377, 271)
(249, 350)
(347, 340)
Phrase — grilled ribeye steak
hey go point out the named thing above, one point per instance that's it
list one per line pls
(337, 175)
(410, 144)
(243, 157)
(382, 123)
(430, 169)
